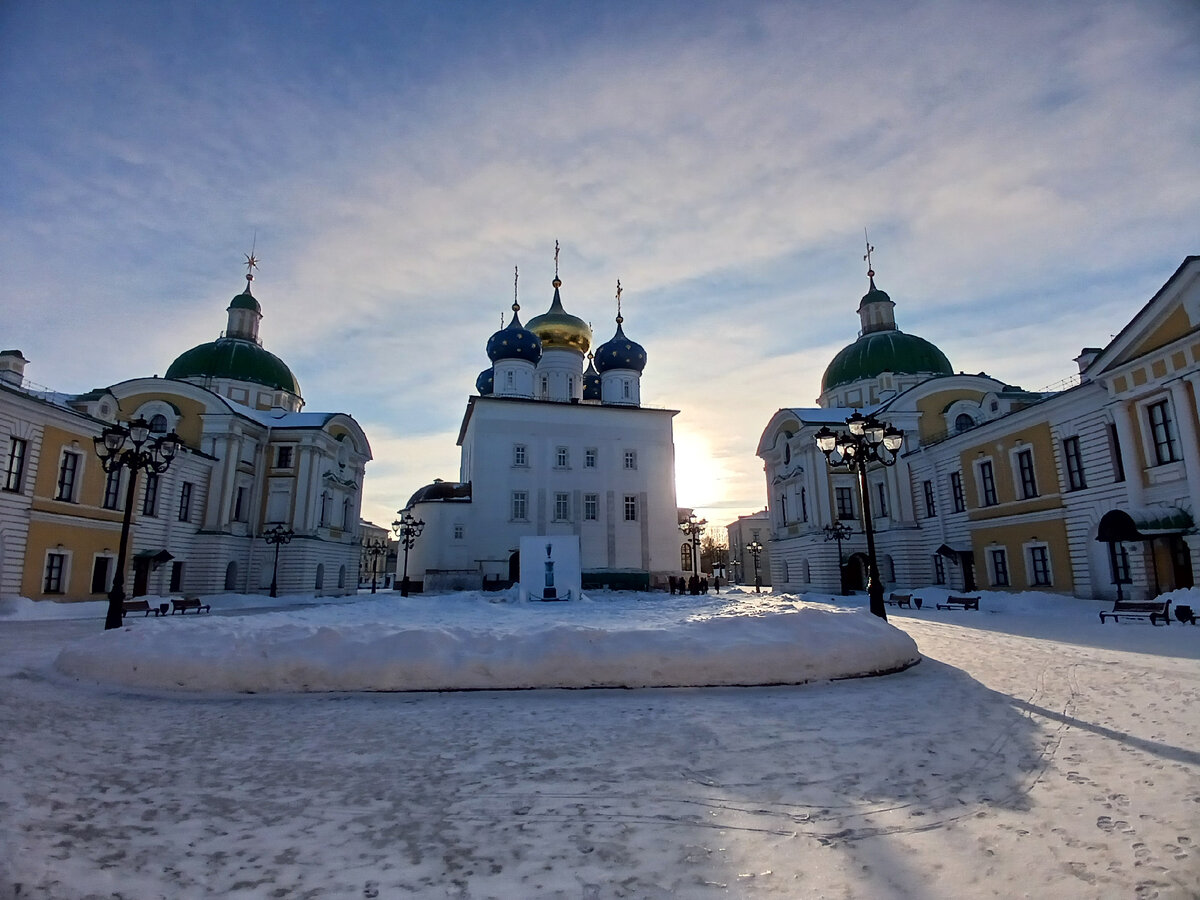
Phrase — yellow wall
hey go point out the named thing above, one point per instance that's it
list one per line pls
(1013, 539)
(190, 412)
(931, 424)
(81, 539)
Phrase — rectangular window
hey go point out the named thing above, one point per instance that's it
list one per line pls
(1028, 479)
(239, 504)
(803, 505)
(519, 458)
(988, 483)
(589, 458)
(562, 458)
(520, 505)
(14, 476)
(68, 470)
(562, 506)
(631, 459)
(176, 576)
(1039, 564)
(1114, 449)
(100, 580)
(185, 502)
(630, 508)
(956, 492)
(881, 490)
(845, 502)
(459, 531)
(939, 569)
(927, 488)
(1118, 558)
(150, 500)
(112, 489)
(283, 457)
(55, 565)
(1074, 462)
(1162, 431)
(591, 504)
(999, 568)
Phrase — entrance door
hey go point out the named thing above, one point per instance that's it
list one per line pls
(514, 567)
(141, 576)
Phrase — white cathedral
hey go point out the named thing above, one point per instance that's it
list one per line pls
(555, 442)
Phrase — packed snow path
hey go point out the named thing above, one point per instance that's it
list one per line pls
(1001, 766)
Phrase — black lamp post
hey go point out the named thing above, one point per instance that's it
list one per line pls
(865, 441)
(374, 549)
(756, 549)
(131, 447)
(277, 536)
(693, 528)
(408, 529)
(839, 532)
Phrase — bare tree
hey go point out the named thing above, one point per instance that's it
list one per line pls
(714, 549)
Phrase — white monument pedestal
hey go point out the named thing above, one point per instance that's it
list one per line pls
(550, 568)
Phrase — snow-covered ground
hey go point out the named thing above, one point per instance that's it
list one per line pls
(1033, 752)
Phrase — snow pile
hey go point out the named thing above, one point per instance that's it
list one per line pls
(482, 641)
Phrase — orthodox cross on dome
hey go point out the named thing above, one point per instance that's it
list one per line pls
(619, 318)
(516, 307)
(556, 259)
(867, 255)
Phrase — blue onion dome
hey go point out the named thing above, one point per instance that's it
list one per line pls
(620, 353)
(591, 381)
(558, 329)
(485, 383)
(514, 342)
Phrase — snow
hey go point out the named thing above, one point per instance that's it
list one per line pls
(1033, 752)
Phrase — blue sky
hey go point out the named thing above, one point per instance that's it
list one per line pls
(1027, 172)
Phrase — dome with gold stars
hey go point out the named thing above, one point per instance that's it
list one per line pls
(514, 342)
(559, 330)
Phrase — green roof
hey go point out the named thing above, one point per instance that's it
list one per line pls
(885, 351)
(245, 300)
(236, 359)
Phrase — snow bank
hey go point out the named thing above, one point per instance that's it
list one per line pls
(484, 641)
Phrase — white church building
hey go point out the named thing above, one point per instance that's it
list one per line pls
(555, 442)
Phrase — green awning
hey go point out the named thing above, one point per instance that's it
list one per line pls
(1143, 523)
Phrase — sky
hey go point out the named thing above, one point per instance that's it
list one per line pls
(1026, 172)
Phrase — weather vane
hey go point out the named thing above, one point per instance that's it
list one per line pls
(251, 261)
(867, 255)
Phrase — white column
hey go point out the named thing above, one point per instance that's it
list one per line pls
(1185, 416)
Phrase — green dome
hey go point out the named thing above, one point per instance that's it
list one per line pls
(245, 300)
(885, 351)
(235, 359)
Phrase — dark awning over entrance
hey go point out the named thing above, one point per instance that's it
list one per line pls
(953, 552)
(1142, 524)
(158, 557)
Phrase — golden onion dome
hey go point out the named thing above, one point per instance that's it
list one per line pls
(558, 329)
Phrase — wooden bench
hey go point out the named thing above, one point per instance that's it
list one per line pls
(960, 603)
(1139, 609)
(182, 605)
(904, 600)
(142, 606)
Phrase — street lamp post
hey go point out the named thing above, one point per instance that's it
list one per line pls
(865, 441)
(756, 549)
(693, 528)
(277, 536)
(374, 549)
(131, 447)
(408, 528)
(839, 532)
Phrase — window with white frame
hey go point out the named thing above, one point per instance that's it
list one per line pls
(844, 499)
(927, 488)
(459, 531)
(1118, 559)
(631, 459)
(956, 492)
(630, 507)
(803, 505)
(150, 497)
(1025, 473)
(562, 458)
(55, 575)
(1162, 432)
(112, 489)
(14, 475)
(1039, 564)
(520, 506)
(591, 506)
(939, 569)
(283, 457)
(562, 506)
(1114, 451)
(881, 492)
(101, 581)
(1073, 460)
(185, 502)
(68, 477)
(987, 483)
(998, 563)
(519, 455)
(589, 458)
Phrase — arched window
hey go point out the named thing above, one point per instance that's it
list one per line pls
(158, 424)
(685, 557)
(231, 577)
(963, 422)
(320, 583)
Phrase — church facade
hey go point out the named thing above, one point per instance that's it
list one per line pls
(556, 441)
(1091, 491)
(251, 459)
